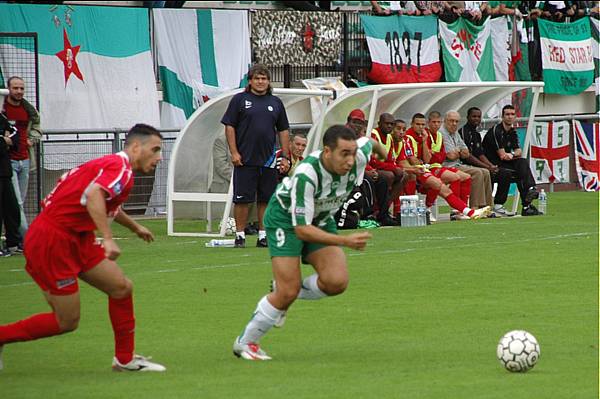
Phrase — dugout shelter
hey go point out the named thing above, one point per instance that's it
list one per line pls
(191, 173)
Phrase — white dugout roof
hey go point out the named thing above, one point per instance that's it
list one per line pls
(190, 168)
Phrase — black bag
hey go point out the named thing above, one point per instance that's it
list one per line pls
(349, 214)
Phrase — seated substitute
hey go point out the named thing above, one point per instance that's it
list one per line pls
(502, 148)
(357, 122)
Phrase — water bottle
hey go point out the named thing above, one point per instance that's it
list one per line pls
(220, 243)
(404, 212)
(421, 214)
(543, 202)
(413, 213)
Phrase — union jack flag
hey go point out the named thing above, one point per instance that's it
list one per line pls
(586, 154)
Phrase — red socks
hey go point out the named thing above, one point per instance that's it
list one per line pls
(37, 326)
(430, 197)
(457, 203)
(396, 206)
(465, 190)
(455, 187)
(123, 323)
(410, 187)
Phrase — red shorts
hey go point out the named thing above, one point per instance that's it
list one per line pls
(55, 256)
(437, 172)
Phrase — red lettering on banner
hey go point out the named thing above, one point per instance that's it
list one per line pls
(557, 54)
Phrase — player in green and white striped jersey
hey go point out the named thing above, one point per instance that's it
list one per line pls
(300, 225)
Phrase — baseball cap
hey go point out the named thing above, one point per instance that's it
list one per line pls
(357, 114)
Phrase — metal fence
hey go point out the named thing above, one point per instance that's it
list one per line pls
(19, 57)
(62, 150)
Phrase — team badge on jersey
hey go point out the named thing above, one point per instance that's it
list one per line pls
(248, 104)
(118, 188)
(270, 108)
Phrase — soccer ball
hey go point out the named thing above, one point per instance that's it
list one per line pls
(518, 351)
(229, 226)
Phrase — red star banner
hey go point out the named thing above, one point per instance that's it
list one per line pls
(68, 57)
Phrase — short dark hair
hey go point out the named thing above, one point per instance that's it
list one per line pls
(299, 134)
(434, 114)
(507, 106)
(400, 121)
(417, 115)
(15, 77)
(472, 109)
(259, 69)
(141, 132)
(336, 132)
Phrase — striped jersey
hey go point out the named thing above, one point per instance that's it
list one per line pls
(312, 195)
(66, 203)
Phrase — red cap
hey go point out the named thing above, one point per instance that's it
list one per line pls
(357, 114)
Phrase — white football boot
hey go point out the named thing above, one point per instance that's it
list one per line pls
(249, 351)
(138, 363)
(481, 213)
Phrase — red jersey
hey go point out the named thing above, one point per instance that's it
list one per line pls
(387, 142)
(66, 203)
(418, 151)
(438, 155)
(18, 116)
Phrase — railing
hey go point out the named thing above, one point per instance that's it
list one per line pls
(62, 150)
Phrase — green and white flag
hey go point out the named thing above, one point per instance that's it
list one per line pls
(467, 51)
(95, 66)
(596, 48)
(567, 56)
(201, 54)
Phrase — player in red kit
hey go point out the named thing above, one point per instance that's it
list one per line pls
(61, 247)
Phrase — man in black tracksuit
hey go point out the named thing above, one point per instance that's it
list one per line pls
(501, 147)
(10, 213)
(472, 139)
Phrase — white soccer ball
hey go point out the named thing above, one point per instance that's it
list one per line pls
(229, 226)
(518, 351)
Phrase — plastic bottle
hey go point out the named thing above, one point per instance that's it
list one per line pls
(404, 204)
(421, 214)
(543, 202)
(413, 213)
(220, 243)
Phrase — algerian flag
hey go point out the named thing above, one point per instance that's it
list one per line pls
(501, 51)
(467, 51)
(567, 56)
(95, 66)
(596, 49)
(403, 49)
(201, 53)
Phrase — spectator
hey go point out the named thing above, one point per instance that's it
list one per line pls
(9, 206)
(502, 148)
(472, 138)
(456, 152)
(252, 121)
(383, 8)
(387, 169)
(308, 5)
(26, 120)
(431, 7)
(372, 182)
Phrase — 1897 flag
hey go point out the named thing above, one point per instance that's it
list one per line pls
(403, 49)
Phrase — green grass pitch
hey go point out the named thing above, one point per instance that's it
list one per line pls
(421, 318)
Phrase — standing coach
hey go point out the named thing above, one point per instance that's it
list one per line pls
(252, 121)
